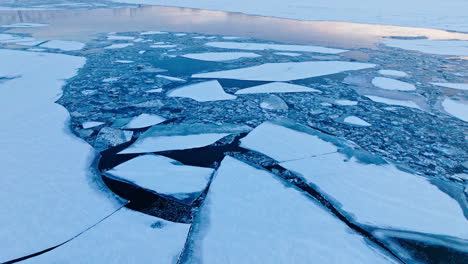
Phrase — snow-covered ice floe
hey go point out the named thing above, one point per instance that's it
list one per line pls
(91, 124)
(117, 37)
(392, 84)
(182, 136)
(354, 120)
(152, 33)
(163, 46)
(282, 47)
(202, 92)
(250, 216)
(277, 87)
(125, 237)
(220, 56)
(164, 176)
(393, 73)
(287, 71)
(48, 191)
(438, 47)
(283, 143)
(9, 38)
(345, 102)
(291, 54)
(456, 108)
(65, 45)
(119, 46)
(459, 86)
(144, 120)
(384, 100)
(24, 25)
(170, 78)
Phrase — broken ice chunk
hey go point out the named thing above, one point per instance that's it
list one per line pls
(250, 216)
(384, 100)
(220, 56)
(202, 92)
(392, 84)
(354, 120)
(262, 46)
(112, 79)
(124, 237)
(287, 71)
(65, 45)
(456, 108)
(144, 120)
(345, 102)
(393, 73)
(149, 104)
(283, 143)
(459, 86)
(119, 46)
(170, 78)
(274, 102)
(24, 25)
(8, 38)
(182, 136)
(153, 33)
(91, 124)
(291, 54)
(156, 90)
(164, 176)
(110, 137)
(380, 195)
(162, 46)
(124, 61)
(277, 87)
(115, 37)
(438, 47)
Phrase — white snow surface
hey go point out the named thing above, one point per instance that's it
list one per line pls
(392, 84)
(220, 56)
(393, 73)
(202, 92)
(383, 196)
(250, 216)
(456, 108)
(277, 87)
(438, 47)
(65, 45)
(125, 237)
(163, 175)
(450, 14)
(287, 71)
(282, 143)
(144, 120)
(90, 124)
(459, 86)
(354, 120)
(47, 191)
(389, 101)
(282, 47)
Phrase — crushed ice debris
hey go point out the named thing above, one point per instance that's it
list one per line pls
(274, 102)
(384, 100)
(110, 137)
(283, 143)
(162, 46)
(24, 25)
(392, 84)
(119, 46)
(345, 102)
(124, 61)
(393, 73)
(382, 196)
(121, 238)
(180, 34)
(156, 90)
(220, 56)
(111, 79)
(91, 124)
(277, 87)
(354, 120)
(182, 136)
(202, 92)
(291, 54)
(144, 120)
(438, 47)
(459, 86)
(287, 71)
(245, 205)
(456, 108)
(164, 176)
(261, 46)
(65, 45)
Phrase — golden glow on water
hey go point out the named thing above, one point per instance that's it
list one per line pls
(84, 24)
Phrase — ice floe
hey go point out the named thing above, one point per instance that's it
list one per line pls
(202, 92)
(24, 25)
(277, 87)
(273, 102)
(65, 45)
(50, 192)
(384, 100)
(282, 143)
(91, 124)
(124, 61)
(170, 78)
(144, 120)
(456, 108)
(9, 38)
(119, 46)
(287, 71)
(291, 54)
(393, 73)
(382, 196)
(164, 176)
(156, 90)
(392, 84)
(115, 37)
(459, 86)
(282, 47)
(125, 237)
(345, 102)
(111, 79)
(163, 46)
(438, 47)
(220, 56)
(354, 120)
(152, 33)
(182, 136)
(250, 216)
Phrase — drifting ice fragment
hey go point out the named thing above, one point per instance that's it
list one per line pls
(202, 92)
(459, 86)
(274, 102)
(144, 120)
(119, 46)
(392, 84)
(456, 108)
(393, 73)
(438, 47)
(25, 25)
(354, 120)
(384, 100)
(261, 46)
(64, 45)
(345, 102)
(277, 87)
(110, 137)
(291, 54)
(91, 124)
(220, 56)
(114, 37)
